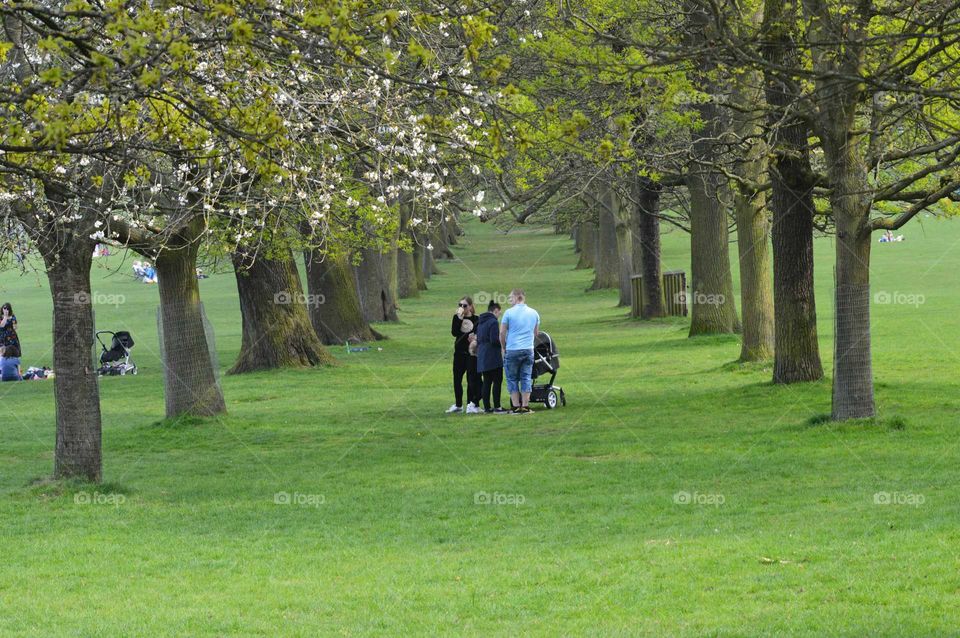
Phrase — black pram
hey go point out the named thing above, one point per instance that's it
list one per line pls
(546, 360)
(115, 360)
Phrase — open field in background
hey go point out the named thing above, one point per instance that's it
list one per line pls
(677, 494)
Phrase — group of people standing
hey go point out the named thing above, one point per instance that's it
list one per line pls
(486, 348)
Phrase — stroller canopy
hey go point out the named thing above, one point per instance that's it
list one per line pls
(546, 357)
(119, 349)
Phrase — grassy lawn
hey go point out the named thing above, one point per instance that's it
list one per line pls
(782, 534)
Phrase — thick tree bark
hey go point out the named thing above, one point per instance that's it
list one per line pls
(339, 319)
(419, 272)
(453, 229)
(623, 216)
(376, 281)
(606, 261)
(852, 361)
(756, 287)
(753, 221)
(78, 451)
(191, 382)
(712, 307)
(276, 326)
(850, 205)
(407, 283)
(440, 241)
(587, 238)
(838, 55)
(796, 349)
(429, 262)
(711, 300)
(646, 247)
(407, 286)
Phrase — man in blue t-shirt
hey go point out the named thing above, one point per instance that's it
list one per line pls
(518, 333)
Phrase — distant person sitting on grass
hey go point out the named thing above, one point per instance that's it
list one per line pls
(518, 333)
(490, 357)
(149, 273)
(10, 364)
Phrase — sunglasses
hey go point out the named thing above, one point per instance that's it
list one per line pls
(464, 305)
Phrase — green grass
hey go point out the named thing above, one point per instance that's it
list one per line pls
(783, 536)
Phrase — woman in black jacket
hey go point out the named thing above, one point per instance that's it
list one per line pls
(489, 357)
(464, 331)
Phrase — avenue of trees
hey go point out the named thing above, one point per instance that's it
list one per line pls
(355, 135)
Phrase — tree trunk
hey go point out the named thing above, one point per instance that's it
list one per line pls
(276, 327)
(646, 247)
(452, 226)
(419, 271)
(587, 236)
(712, 307)
(624, 246)
(838, 54)
(796, 349)
(78, 451)
(441, 244)
(753, 220)
(850, 204)
(756, 286)
(339, 319)
(191, 382)
(852, 362)
(623, 217)
(711, 299)
(407, 284)
(606, 262)
(376, 280)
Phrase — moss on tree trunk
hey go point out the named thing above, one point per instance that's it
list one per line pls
(191, 383)
(646, 247)
(277, 332)
(78, 452)
(796, 349)
(339, 319)
(606, 261)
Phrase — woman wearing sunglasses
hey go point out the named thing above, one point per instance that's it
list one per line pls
(464, 331)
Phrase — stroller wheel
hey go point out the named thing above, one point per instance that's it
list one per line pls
(552, 399)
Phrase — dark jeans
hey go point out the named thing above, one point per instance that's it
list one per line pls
(463, 363)
(492, 380)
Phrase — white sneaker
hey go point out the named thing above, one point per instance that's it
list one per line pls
(472, 409)
(454, 408)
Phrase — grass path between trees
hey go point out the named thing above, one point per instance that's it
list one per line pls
(677, 494)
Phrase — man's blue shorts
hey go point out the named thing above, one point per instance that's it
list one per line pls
(518, 368)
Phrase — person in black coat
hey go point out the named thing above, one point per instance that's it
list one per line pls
(464, 330)
(490, 357)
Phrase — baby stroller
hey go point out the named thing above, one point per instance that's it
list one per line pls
(546, 360)
(115, 361)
